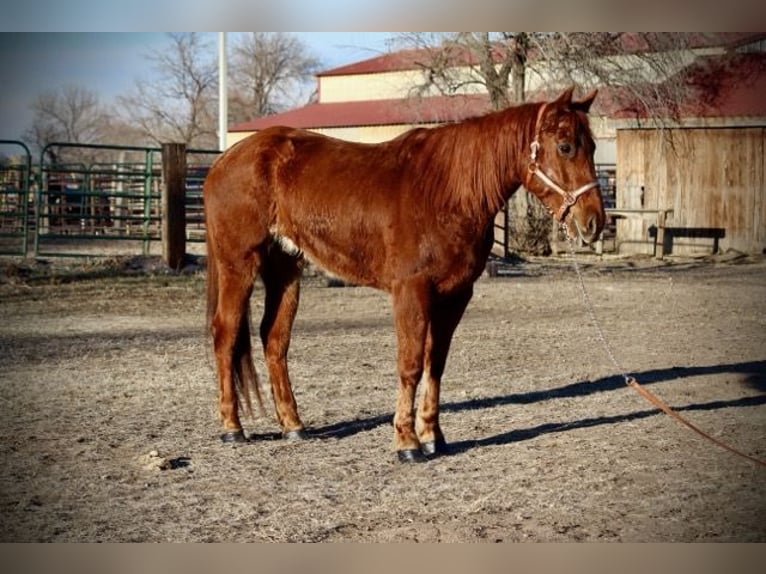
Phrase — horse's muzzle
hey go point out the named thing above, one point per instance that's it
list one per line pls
(590, 231)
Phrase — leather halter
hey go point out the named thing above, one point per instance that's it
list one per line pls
(568, 197)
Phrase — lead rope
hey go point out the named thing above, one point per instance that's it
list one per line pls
(631, 381)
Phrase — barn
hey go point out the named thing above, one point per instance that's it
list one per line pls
(696, 186)
(369, 101)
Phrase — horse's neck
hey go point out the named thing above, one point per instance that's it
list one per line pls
(507, 143)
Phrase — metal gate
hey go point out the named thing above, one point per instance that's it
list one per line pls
(97, 200)
(15, 204)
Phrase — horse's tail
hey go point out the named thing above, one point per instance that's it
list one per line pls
(244, 374)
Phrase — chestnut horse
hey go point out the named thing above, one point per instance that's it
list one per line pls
(412, 216)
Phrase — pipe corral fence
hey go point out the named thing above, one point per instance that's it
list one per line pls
(98, 200)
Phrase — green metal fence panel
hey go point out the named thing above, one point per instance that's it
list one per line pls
(103, 200)
(15, 189)
(91, 200)
(607, 179)
(198, 163)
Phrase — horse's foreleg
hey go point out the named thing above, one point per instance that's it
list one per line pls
(281, 277)
(445, 316)
(411, 302)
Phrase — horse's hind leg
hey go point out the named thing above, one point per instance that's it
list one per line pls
(281, 274)
(231, 342)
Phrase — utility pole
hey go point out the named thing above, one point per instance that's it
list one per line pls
(222, 92)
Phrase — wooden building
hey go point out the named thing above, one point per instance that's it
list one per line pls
(697, 186)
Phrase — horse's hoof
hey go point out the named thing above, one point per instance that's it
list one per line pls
(411, 455)
(234, 436)
(434, 448)
(297, 434)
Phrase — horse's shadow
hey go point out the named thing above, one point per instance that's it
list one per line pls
(754, 371)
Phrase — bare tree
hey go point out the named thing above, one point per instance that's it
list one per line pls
(506, 65)
(72, 114)
(269, 73)
(179, 104)
(638, 67)
(461, 62)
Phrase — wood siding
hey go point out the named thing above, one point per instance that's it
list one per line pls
(712, 179)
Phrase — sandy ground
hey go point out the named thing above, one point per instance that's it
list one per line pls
(109, 426)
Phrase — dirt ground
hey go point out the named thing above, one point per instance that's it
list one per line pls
(109, 429)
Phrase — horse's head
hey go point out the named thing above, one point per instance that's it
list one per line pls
(560, 170)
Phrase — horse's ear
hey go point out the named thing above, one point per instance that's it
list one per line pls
(585, 103)
(565, 98)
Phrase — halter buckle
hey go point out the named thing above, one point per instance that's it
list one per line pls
(534, 148)
(567, 201)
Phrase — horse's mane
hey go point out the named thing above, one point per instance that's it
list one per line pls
(466, 166)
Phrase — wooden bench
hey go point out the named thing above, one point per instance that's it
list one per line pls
(670, 233)
(659, 229)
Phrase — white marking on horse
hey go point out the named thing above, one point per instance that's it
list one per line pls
(285, 243)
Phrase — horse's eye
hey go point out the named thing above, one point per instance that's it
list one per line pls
(565, 148)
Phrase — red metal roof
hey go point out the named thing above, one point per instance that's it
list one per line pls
(729, 85)
(412, 60)
(723, 86)
(435, 109)
(388, 62)
(637, 43)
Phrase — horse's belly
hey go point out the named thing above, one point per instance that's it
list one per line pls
(348, 260)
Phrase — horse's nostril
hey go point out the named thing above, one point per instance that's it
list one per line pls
(592, 225)
(589, 232)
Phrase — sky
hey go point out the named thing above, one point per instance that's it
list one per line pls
(110, 63)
